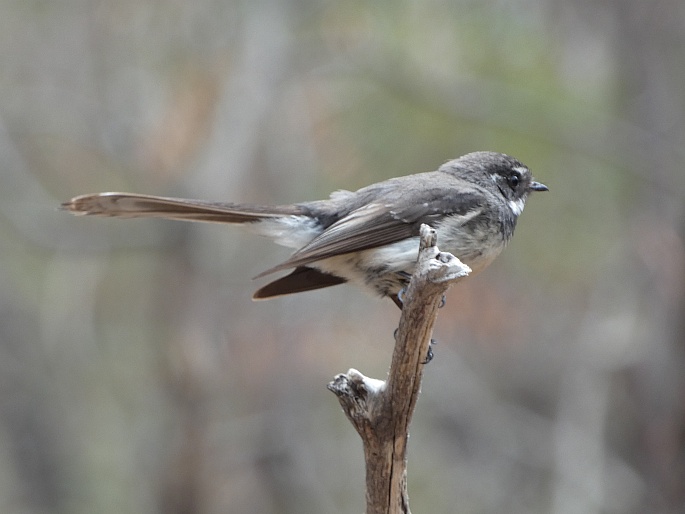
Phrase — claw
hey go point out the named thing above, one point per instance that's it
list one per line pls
(429, 353)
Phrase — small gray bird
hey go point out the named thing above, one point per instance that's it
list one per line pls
(369, 237)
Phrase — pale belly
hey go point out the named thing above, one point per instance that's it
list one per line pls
(387, 269)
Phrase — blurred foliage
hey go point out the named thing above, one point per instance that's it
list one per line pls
(137, 376)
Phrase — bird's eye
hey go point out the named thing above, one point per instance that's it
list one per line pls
(514, 180)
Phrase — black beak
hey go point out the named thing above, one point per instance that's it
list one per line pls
(537, 186)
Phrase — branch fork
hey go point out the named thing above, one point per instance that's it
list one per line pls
(381, 411)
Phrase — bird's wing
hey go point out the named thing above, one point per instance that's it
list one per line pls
(380, 224)
(300, 280)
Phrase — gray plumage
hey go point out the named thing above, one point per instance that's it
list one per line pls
(370, 236)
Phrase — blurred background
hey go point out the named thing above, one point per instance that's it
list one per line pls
(138, 376)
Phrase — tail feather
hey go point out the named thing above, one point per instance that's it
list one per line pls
(130, 205)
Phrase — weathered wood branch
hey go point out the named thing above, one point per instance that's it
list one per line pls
(381, 411)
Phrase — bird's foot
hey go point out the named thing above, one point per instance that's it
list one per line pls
(429, 353)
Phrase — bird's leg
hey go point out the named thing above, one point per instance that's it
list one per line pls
(404, 278)
(443, 301)
(400, 295)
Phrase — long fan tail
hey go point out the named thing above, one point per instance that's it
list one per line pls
(131, 205)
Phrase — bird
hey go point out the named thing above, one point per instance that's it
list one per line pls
(368, 237)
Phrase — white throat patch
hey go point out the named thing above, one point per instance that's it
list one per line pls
(516, 206)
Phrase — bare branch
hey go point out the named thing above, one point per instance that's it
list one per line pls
(381, 411)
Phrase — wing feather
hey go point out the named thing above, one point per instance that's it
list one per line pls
(379, 224)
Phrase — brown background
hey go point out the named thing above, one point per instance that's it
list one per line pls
(137, 376)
